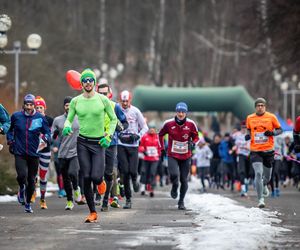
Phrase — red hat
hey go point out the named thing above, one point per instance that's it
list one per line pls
(39, 101)
(125, 95)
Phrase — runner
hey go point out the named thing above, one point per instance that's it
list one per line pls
(262, 127)
(27, 129)
(296, 135)
(128, 145)
(182, 133)
(4, 120)
(111, 151)
(90, 108)
(45, 154)
(67, 155)
(203, 155)
(149, 146)
(242, 148)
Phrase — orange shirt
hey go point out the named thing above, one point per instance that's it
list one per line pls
(257, 126)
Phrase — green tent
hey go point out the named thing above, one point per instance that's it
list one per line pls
(229, 99)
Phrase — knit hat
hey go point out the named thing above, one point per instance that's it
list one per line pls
(260, 100)
(181, 107)
(87, 73)
(29, 98)
(67, 99)
(39, 101)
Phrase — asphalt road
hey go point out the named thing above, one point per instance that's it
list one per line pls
(152, 223)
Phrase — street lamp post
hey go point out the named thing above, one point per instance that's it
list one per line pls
(34, 41)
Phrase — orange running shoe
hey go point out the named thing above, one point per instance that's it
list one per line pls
(43, 204)
(91, 218)
(101, 187)
(32, 200)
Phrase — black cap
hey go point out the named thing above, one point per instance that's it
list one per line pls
(67, 99)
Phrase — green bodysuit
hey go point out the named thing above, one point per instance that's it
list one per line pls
(91, 113)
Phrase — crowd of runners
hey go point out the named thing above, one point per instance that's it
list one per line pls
(103, 149)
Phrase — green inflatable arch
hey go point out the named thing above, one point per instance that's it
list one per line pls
(228, 99)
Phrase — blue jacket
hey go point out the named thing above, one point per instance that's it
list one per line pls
(122, 118)
(4, 119)
(224, 148)
(24, 133)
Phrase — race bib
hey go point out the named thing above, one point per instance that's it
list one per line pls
(180, 147)
(260, 138)
(152, 151)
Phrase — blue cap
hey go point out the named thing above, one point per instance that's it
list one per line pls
(181, 107)
(29, 98)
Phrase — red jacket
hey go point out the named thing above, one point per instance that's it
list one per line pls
(150, 146)
(180, 138)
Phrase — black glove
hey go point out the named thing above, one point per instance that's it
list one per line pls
(247, 137)
(119, 127)
(268, 133)
(55, 134)
(135, 137)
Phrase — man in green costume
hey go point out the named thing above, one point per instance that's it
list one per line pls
(90, 108)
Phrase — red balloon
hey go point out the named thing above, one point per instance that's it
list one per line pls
(73, 78)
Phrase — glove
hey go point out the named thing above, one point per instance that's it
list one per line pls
(55, 134)
(119, 127)
(247, 137)
(135, 137)
(105, 141)
(268, 133)
(67, 131)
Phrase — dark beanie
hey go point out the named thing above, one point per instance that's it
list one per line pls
(67, 99)
(260, 100)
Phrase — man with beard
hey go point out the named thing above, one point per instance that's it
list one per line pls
(90, 108)
(182, 132)
(27, 129)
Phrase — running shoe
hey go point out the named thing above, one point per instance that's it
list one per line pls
(261, 203)
(266, 191)
(21, 195)
(77, 194)
(69, 205)
(104, 207)
(143, 193)
(128, 204)
(115, 202)
(136, 186)
(33, 197)
(101, 187)
(28, 209)
(151, 194)
(82, 201)
(181, 206)
(91, 218)
(277, 192)
(174, 192)
(97, 199)
(43, 204)
(62, 193)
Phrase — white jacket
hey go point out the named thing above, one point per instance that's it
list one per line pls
(203, 156)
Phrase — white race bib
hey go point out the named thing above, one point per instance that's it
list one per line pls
(180, 147)
(152, 151)
(260, 138)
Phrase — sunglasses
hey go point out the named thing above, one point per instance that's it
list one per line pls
(86, 80)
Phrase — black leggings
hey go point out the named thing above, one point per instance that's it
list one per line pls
(275, 174)
(110, 159)
(128, 164)
(91, 160)
(148, 172)
(27, 167)
(179, 169)
(69, 169)
(244, 166)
